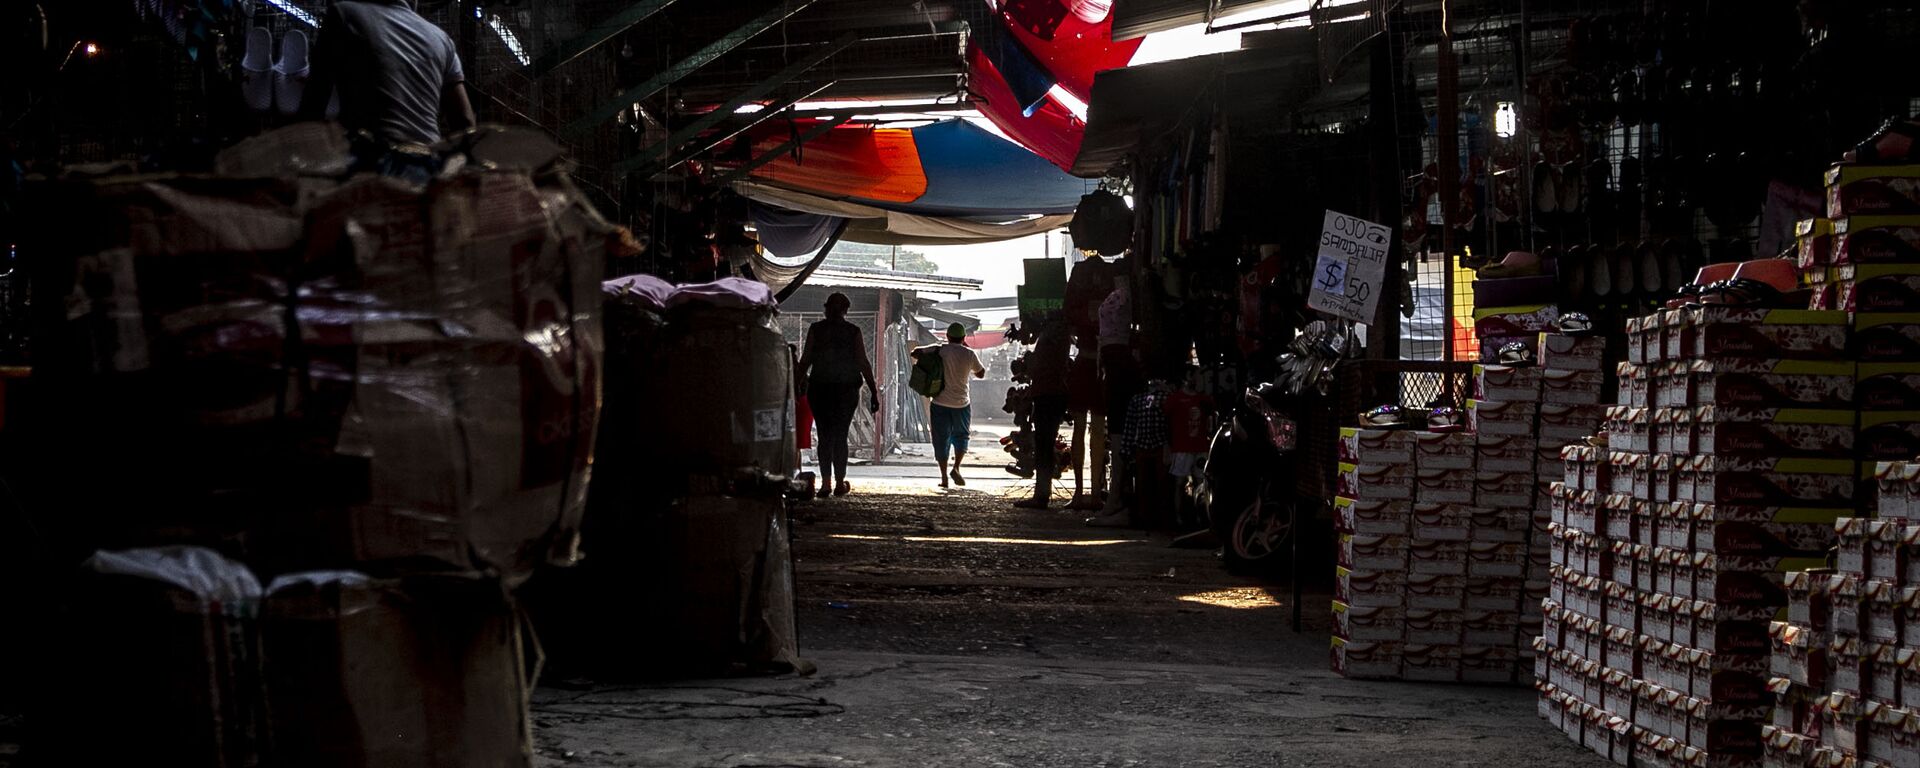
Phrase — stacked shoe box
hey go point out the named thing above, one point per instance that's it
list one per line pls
(1729, 457)
(1846, 662)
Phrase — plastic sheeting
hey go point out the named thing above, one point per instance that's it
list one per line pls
(867, 224)
(1070, 48)
(792, 234)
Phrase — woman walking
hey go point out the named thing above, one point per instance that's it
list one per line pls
(833, 364)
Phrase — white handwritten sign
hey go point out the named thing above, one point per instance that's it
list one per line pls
(1352, 264)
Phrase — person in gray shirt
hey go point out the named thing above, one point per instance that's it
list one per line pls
(400, 83)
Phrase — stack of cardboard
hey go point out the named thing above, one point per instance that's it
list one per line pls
(1443, 545)
(1846, 662)
(1729, 458)
(380, 400)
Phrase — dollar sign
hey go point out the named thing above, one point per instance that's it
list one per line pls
(1332, 279)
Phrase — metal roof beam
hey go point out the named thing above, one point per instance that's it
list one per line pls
(613, 25)
(688, 153)
(686, 66)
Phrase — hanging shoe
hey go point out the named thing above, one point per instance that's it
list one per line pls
(1624, 283)
(256, 70)
(1546, 192)
(290, 72)
(1600, 273)
(1647, 262)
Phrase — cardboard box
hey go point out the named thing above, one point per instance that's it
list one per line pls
(1496, 559)
(1771, 383)
(1372, 517)
(1444, 486)
(1432, 592)
(1638, 347)
(1373, 553)
(1430, 663)
(1504, 490)
(1805, 432)
(1376, 482)
(1563, 424)
(1490, 663)
(1371, 588)
(1888, 435)
(1506, 383)
(1872, 190)
(1876, 288)
(1438, 628)
(1376, 446)
(1438, 558)
(1722, 332)
(1740, 529)
(1494, 593)
(1368, 624)
(1765, 481)
(1888, 386)
(1886, 337)
(1808, 601)
(1525, 320)
(1492, 417)
(1876, 240)
(1366, 661)
(1505, 453)
(1577, 387)
(1442, 522)
(1572, 353)
(1443, 450)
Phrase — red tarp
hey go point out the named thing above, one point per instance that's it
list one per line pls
(1077, 51)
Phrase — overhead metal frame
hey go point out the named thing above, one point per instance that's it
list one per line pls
(691, 151)
(811, 133)
(600, 33)
(687, 66)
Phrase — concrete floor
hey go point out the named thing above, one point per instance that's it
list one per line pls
(952, 630)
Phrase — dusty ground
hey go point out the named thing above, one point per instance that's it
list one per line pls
(951, 630)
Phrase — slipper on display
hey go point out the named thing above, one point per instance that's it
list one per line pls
(256, 70)
(1708, 276)
(1516, 353)
(1573, 194)
(1647, 259)
(1384, 417)
(1624, 283)
(1573, 324)
(1782, 275)
(1546, 195)
(1599, 439)
(1446, 419)
(1516, 264)
(1600, 269)
(290, 72)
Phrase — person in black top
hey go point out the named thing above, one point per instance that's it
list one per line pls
(833, 364)
(1048, 369)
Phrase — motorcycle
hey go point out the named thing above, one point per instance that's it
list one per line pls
(1246, 484)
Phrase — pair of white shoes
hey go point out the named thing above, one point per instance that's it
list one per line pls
(268, 84)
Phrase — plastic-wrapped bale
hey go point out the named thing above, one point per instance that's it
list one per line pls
(362, 374)
(721, 399)
(153, 663)
(369, 673)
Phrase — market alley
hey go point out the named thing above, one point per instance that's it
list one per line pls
(953, 630)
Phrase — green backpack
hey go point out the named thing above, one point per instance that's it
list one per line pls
(929, 376)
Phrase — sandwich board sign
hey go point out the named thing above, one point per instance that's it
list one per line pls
(1352, 264)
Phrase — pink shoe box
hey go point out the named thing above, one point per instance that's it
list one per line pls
(1620, 470)
(1437, 558)
(1890, 337)
(1373, 553)
(1495, 593)
(1444, 486)
(1872, 190)
(1635, 383)
(1430, 663)
(1875, 239)
(1772, 481)
(1373, 517)
(1768, 383)
(1808, 602)
(1720, 332)
(1498, 417)
(1785, 749)
(1814, 242)
(1676, 334)
(1376, 482)
(1573, 353)
(1774, 431)
(1672, 384)
(1490, 628)
(1745, 583)
(1369, 625)
(1674, 431)
(1622, 607)
(1490, 663)
(1887, 386)
(1888, 435)
(1895, 483)
(1798, 655)
(1565, 387)
(1376, 446)
(1638, 346)
(1876, 288)
(1892, 736)
(1731, 687)
(1793, 708)
(1734, 529)
(1497, 559)
(1520, 384)
(1371, 588)
(1443, 450)
(1367, 661)
(1847, 659)
(1442, 522)
(1431, 592)
(1504, 490)
(1506, 453)
(1840, 722)
(1850, 559)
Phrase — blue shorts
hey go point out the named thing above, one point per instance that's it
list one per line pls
(951, 426)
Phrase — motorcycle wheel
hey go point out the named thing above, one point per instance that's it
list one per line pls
(1256, 541)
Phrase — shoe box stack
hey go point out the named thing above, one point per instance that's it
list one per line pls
(1501, 315)
(1845, 665)
(314, 433)
(1443, 547)
(1730, 455)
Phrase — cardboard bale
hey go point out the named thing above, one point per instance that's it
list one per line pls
(365, 672)
(158, 646)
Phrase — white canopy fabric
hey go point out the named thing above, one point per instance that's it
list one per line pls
(879, 226)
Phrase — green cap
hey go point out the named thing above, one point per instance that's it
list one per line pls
(956, 332)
